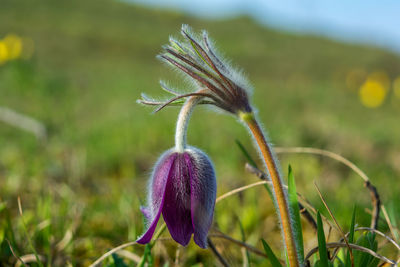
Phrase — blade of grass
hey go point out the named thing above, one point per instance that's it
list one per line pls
(366, 241)
(118, 262)
(337, 224)
(27, 234)
(323, 252)
(392, 212)
(146, 257)
(217, 254)
(389, 223)
(14, 253)
(351, 238)
(247, 259)
(252, 163)
(246, 153)
(294, 206)
(354, 247)
(375, 199)
(271, 255)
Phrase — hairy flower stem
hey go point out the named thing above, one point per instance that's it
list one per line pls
(183, 121)
(281, 199)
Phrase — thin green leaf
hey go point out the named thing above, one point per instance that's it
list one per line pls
(246, 154)
(118, 262)
(294, 206)
(339, 262)
(146, 258)
(38, 261)
(366, 240)
(373, 245)
(358, 255)
(244, 240)
(393, 211)
(323, 252)
(374, 262)
(10, 249)
(271, 256)
(271, 194)
(351, 237)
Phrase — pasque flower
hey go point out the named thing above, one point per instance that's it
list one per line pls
(215, 83)
(183, 189)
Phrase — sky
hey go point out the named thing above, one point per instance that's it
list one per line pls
(368, 21)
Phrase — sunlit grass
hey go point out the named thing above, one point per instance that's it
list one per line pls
(81, 189)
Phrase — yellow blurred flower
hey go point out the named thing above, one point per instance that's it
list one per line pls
(372, 93)
(396, 87)
(14, 45)
(3, 52)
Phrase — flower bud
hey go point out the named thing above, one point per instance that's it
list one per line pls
(183, 189)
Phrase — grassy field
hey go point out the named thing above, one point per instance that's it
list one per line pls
(81, 188)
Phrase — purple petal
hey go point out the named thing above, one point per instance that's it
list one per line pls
(146, 237)
(159, 180)
(176, 209)
(162, 171)
(203, 193)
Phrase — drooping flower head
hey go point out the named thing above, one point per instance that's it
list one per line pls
(183, 189)
(215, 80)
(183, 185)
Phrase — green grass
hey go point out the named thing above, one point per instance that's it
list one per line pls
(92, 60)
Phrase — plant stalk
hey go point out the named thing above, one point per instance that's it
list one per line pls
(279, 191)
(183, 121)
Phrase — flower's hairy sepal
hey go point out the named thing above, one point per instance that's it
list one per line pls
(215, 80)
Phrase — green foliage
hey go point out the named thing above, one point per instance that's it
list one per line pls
(361, 259)
(351, 236)
(271, 256)
(117, 261)
(243, 237)
(92, 59)
(244, 151)
(29, 239)
(366, 240)
(323, 252)
(147, 259)
(393, 209)
(295, 211)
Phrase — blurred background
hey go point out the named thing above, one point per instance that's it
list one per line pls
(77, 148)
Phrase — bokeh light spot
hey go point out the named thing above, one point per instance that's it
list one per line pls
(3, 52)
(14, 45)
(372, 93)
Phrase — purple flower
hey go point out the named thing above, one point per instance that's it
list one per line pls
(183, 189)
